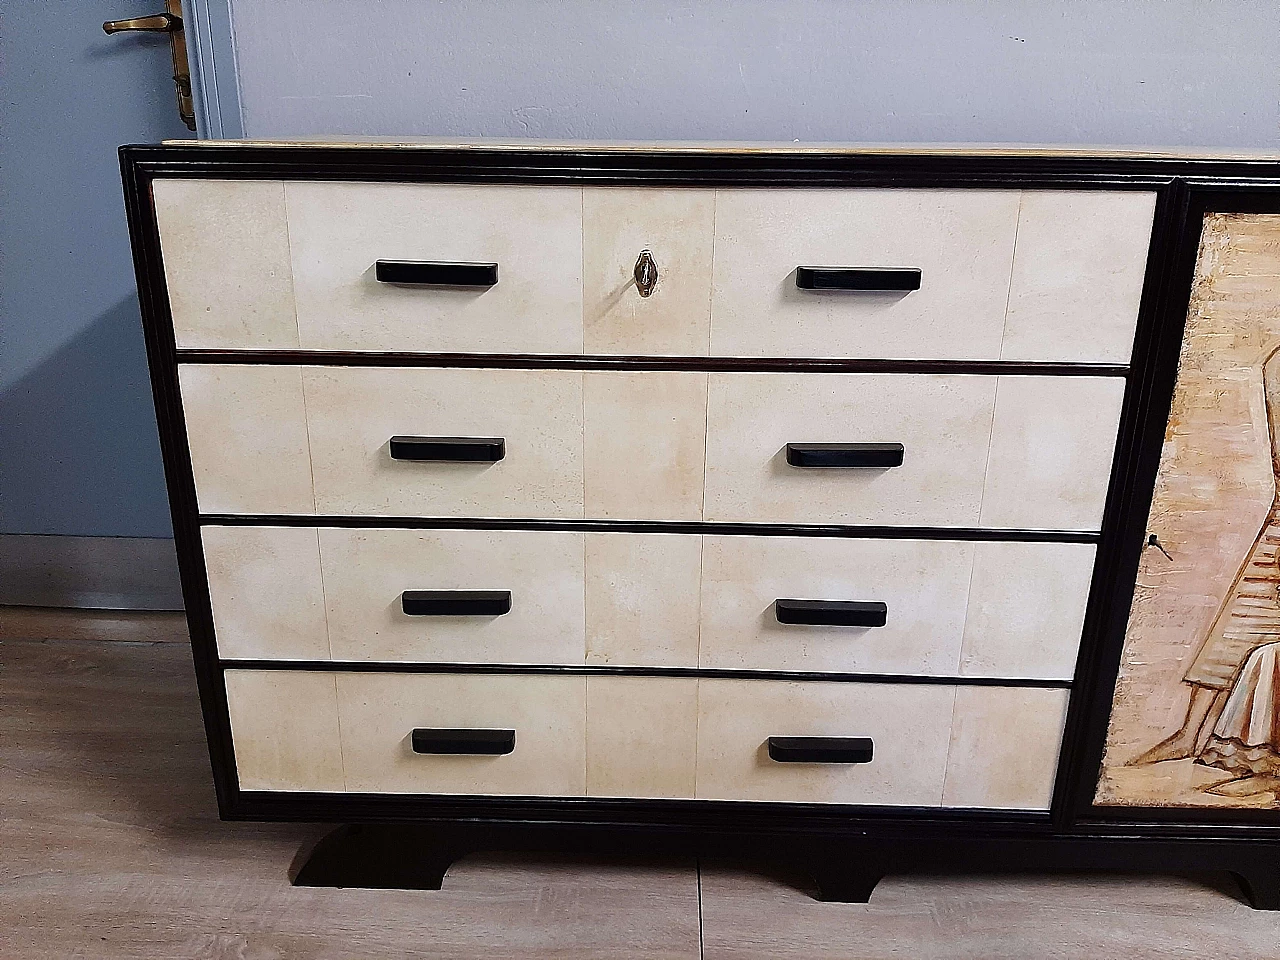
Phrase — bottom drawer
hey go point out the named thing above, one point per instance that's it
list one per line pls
(676, 737)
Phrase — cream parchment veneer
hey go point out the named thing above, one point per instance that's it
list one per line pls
(924, 584)
(909, 724)
(247, 432)
(954, 607)
(338, 231)
(380, 710)
(644, 445)
(365, 572)
(676, 226)
(1052, 442)
(265, 591)
(641, 736)
(943, 421)
(226, 263)
(642, 598)
(284, 726)
(1077, 275)
(933, 745)
(962, 241)
(1004, 747)
(1026, 609)
(353, 412)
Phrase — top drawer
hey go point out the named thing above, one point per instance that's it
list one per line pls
(1004, 274)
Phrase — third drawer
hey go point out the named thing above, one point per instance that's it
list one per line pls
(950, 608)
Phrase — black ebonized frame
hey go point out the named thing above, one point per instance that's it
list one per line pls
(1075, 833)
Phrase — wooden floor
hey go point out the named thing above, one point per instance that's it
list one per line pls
(110, 847)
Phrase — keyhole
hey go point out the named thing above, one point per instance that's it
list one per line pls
(646, 273)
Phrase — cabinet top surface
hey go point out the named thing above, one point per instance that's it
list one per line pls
(748, 147)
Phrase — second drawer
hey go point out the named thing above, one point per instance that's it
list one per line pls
(950, 607)
(1008, 451)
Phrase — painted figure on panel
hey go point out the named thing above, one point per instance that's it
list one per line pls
(1196, 715)
(1233, 719)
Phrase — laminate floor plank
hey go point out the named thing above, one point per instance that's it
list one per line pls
(110, 846)
(750, 916)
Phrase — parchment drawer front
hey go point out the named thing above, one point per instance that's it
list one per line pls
(546, 714)
(247, 431)
(879, 743)
(948, 607)
(481, 268)
(961, 241)
(354, 413)
(459, 579)
(909, 726)
(225, 245)
(284, 729)
(812, 448)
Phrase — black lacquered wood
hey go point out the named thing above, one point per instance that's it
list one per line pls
(832, 613)
(868, 279)
(434, 273)
(478, 742)
(448, 449)
(820, 749)
(455, 603)
(847, 455)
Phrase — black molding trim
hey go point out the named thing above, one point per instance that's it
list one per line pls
(537, 361)
(1078, 832)
(982, 534)
(611, 670)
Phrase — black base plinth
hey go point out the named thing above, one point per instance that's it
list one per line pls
(416, 856)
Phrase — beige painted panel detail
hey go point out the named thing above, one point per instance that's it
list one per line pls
(266, 594)
(1051, 446)
(247, 430)
(366, 571)
(924, 583)
(641, 736)
(1026, 609)
(676, 227)
(645, 443)
(909, 725)
(339, 230)
(944, 422)
(1077, 275)
(1004, 747)
(962, 241)
(380, 711)
(226, 263)
(354, 412)
(284, 727)
(642, 598)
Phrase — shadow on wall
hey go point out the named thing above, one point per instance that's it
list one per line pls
(79, 451)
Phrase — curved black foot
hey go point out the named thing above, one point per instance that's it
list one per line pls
(1261, 885)
(381, 857)
(843, 883)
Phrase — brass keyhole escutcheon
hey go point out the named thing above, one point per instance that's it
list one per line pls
(646, 273)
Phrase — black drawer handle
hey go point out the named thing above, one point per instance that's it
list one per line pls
(489, 743)
(450, 449)
(877, 455)
(870, 279)
(820, 749)
(832, 613)
(433, 273)
(455, 603)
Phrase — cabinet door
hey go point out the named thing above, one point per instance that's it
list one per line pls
(1196, 714)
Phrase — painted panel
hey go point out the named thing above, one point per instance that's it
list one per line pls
(1195, 718)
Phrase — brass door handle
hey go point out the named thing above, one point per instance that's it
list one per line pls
(169, 22)
(157, 23)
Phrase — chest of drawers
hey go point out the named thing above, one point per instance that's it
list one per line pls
(705, 497)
